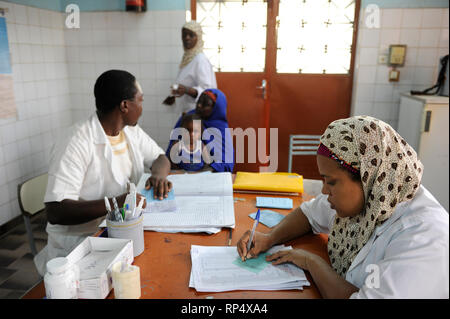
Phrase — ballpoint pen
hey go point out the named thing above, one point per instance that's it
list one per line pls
(108, 208)
(249, 243)
(117, 210)
(230, 236)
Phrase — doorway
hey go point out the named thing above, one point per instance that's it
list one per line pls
(285, 64)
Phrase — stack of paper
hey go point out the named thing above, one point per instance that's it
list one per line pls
(216, 269)
(204, 203)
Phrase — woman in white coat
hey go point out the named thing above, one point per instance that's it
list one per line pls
(388, 236)
(196, 72)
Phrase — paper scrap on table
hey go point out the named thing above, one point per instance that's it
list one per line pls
(253, 264)
(274, 202)
(268, 217)
(155, 205)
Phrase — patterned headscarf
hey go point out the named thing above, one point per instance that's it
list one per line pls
(190, 54)
(390, 174)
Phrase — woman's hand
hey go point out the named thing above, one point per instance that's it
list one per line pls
(261, 242)
(180, 91)
(161, 186)
(299, 257)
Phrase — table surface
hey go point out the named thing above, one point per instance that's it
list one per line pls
(165, 263)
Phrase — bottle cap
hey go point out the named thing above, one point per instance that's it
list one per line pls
(58, 265)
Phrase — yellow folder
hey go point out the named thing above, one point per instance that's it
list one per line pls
(277, 182)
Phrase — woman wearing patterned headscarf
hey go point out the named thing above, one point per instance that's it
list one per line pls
(196, 73)
(388, 236)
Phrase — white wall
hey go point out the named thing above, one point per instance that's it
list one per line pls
(54, 71)
(426, 34)
(41, 88)
(147, 44)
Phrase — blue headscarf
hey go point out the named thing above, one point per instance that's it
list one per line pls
(217, 120)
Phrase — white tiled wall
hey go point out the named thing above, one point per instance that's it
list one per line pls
(54, 71)
(147, 44)
(41, 88)
(424, 31)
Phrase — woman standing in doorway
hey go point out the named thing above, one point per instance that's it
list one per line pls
(196, 72)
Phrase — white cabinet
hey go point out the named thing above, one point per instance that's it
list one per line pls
(423, 123)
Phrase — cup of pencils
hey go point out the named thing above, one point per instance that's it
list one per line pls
(127, 222)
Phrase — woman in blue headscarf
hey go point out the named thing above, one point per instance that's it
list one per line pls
(218, 149)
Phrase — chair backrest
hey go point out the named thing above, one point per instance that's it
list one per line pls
(31, 194)
(302, 145)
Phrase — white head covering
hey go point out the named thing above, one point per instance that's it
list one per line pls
(189, 54)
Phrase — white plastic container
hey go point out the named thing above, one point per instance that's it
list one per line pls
(62, 279)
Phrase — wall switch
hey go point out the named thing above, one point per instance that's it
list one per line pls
(382, 59)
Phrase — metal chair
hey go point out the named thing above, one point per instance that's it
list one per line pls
(31, 202)
(302, 145)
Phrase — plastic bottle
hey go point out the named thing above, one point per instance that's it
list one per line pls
(62, 279)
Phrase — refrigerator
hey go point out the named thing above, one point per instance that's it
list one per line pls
(423, 123)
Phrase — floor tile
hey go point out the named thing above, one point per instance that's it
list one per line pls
(22, 279)
(11, 242)
(6, 273)
(18, 273)
(11, 294)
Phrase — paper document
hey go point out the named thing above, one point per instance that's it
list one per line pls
(95, 262)
(204, 203)
(274, 202)
(268, 217)
(155, 205)
(214, 269)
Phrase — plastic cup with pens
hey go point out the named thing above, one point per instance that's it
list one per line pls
(127, 222)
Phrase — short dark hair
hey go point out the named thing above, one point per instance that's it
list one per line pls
(187, 118)
(112, 87)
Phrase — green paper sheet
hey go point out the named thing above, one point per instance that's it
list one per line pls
(254, 264)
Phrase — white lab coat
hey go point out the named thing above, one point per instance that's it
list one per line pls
(406, 257)
(82, 167)
(198, 74)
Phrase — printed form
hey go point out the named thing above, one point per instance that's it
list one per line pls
(204, 203)
(216, 269)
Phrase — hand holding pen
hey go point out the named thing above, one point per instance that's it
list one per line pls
(249, 243)
(251, 247)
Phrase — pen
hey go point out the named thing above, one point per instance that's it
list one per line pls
(108, 207)
(249, 243)
(138, 210)
(117, 212)
(230, 236)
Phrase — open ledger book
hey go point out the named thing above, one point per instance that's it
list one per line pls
(204, 203)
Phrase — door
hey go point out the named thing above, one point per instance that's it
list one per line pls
(304, 52)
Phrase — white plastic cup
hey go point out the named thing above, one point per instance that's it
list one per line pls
(126, 282)
(129, 229)
(62, 279)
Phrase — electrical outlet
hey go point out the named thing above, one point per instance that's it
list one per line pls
(382, 59)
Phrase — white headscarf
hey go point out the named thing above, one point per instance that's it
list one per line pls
(189, 54)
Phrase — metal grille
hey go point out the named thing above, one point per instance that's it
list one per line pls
(234, 33)
(315, 36)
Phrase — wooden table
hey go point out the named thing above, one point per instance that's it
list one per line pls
(166, 262)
